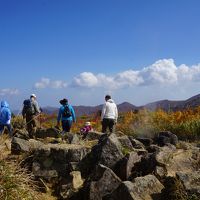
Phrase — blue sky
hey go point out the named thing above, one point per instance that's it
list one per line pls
(137, 50)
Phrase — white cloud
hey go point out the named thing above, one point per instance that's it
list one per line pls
(8, 91)
(161, 72)
(85, 79)
(47, 83)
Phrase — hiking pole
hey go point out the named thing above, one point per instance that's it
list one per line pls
(33, 119)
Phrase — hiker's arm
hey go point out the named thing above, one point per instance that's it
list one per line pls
(103, 112)
(116, 114)
(73, 115)
(37, 108)
(59, 117)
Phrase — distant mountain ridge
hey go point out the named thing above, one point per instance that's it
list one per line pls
(166, 105)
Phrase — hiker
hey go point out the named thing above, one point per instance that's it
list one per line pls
(30, 112)
(87, 127)
(109, 115)
(66, 114)
(5, 118)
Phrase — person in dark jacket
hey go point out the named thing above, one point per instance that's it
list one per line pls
(5, 117)
(31, 114)
(66, 115)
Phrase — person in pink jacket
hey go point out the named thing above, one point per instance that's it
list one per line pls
(86, 129)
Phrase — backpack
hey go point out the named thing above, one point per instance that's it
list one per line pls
(28, 107)
(67, 112)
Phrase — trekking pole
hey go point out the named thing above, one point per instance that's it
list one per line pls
(33, 118)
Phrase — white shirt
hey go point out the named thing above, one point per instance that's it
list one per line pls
(109, 110)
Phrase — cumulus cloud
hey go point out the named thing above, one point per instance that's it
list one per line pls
(161, 72)
(8, 91)
(47, 83)
(85, 79)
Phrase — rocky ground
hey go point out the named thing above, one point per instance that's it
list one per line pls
(111, 167)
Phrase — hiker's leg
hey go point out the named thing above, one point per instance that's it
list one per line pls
(111, 125)
(34, 126)
(9, 129)
(28, 123)
(1, 128)
(104, 125)
(68, 125)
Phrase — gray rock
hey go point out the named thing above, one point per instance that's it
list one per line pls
(107, 152)
(21, 133)
(59, 157)
(102, 182)
(165, 137)
(44, 133)
(93, 135)
(191, 181)
(136, 144)
(21, 146)
(145, 141)
(125, 166)
(71, 138)
(38, 171)
(143, 188)
(125, 142)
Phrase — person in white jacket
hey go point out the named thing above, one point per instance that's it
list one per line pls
(109, 115)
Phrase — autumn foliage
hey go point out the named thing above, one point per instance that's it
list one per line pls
(186, 123)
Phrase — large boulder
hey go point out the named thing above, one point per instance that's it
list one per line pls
(93, 135)
(180, 160)
(145, 141)
(72, 185)
(101, 182)
(191, 181)
(125, 142)
(19, 146)
(57, 159)
(44, 133)
(126, 165)
(174, 190)
(166, 137)
(143, 188)
(136, 143)
(21, 133)
(107, 152)
(71, 138)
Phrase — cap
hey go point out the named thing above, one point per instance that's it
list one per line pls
(33, 95)
(87, 123)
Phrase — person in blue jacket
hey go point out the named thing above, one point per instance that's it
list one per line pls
(5, 117)
(66, 115)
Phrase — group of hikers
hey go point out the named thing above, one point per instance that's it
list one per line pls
(66, 116)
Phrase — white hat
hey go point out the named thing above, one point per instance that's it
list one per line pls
(87, 123)
(33, 95)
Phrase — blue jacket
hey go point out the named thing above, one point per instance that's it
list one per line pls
(5, 113)
(60, 114)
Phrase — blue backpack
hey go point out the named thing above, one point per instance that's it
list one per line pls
(28, 107)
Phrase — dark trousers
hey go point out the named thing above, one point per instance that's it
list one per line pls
(31, 123)
(66, 125)
(8, 126)
(108, 123)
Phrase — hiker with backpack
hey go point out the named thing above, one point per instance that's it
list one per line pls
(109, 115)
(30, 112)
(66, 115)
(5, 118)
